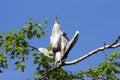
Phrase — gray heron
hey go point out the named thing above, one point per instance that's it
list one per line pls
(60, 43)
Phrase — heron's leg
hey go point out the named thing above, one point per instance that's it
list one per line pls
(57, 58)
(60, 58)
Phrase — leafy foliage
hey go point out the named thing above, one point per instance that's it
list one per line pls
(15, 44)
(108, 70)
(44, 63)
(3, 61)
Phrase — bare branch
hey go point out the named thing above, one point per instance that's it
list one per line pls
(113, 45)
(116, 41)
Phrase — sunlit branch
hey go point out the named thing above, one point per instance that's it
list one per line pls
(111, 46)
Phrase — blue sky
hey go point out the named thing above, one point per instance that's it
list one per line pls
(97, 20)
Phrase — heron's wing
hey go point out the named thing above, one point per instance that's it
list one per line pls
(45, 52)
(71, 44)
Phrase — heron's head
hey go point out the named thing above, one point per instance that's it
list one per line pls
(56, 27)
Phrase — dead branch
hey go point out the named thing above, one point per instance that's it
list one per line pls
(113, 45)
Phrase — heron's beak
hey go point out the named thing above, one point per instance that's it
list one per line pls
(56, 21)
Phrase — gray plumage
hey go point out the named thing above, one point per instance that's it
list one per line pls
(60, 43)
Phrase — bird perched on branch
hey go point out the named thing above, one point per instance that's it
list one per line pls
(58, 41)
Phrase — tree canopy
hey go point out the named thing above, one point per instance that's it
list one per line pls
(15, 45)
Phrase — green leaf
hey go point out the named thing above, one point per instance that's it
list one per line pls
(40, 27)
(17, 63)
(34, 32)
(36, 24)
(38, 36)
(117, 64)
(49, 48)
(42, 33)
(30, 21)
(24, 59)
(34, 54)
(25, 43)
(25, 27)
(22, 68)
(1, 71)
(37, 57)
(31, 27)
(30, 35)
(15, 30)
(45, 21)
(7, 33)
(19, 48)
(17, 54)
(35, 74)
(36, 61)
(21, 36)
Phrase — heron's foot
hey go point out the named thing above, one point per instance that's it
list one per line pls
(60, 62)
(57, 64)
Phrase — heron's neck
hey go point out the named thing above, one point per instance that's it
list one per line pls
(56, 28)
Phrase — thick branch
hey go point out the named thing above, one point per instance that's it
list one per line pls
(113, 45)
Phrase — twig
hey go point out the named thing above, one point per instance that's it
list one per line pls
(33, 48)
(104, 51)
(116, 41)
